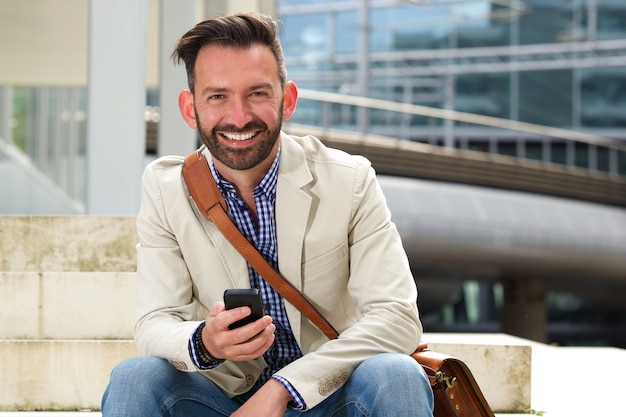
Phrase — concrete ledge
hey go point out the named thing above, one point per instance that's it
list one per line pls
(67, 305)
(67, 243)
(500, 363)
(72, 374)
(57, 375)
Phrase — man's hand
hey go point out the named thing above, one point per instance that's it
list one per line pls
(241, 344)
(269, 401)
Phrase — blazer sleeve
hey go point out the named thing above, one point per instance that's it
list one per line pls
(166, 309)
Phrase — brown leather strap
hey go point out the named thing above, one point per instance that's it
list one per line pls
(211, 204)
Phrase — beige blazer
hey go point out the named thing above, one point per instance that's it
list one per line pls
(336, 243)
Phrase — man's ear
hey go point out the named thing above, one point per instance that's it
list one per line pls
(185, 105)
(290, 97)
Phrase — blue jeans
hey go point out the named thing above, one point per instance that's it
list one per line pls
(385, 385)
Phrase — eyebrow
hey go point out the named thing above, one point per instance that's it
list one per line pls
(220, 90)
(213, 90)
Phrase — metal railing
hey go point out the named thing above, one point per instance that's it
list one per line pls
(457, 129)
(468, 148)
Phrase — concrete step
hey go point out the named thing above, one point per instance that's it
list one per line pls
(57, 375)
(67, 243)
(67, 305)
(500, 363)
(72, 374)
(566, 381)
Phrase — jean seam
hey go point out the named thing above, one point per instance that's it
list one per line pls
(356, 403)
(171, 402)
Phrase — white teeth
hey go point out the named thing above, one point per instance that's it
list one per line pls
(239, 137)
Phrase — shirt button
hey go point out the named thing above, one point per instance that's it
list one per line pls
(249, 380)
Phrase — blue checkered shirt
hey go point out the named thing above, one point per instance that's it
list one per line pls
(262, 234)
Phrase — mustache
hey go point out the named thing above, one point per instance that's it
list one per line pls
(251, 125)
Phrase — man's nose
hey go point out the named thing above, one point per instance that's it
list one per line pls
(240, 112)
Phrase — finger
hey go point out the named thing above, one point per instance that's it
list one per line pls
(234, 315)
(218, 307)
(212, 323)
(264, 341)
(244, 333)
(244, 343)
(255, 346)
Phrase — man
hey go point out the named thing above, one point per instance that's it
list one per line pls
(316, 214)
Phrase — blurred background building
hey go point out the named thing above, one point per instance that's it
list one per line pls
(498, 129)
(557, 63)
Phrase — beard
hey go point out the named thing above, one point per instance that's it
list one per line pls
(242, 158)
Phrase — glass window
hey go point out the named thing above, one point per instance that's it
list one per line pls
(603, 98)
(545, 97)
(611, 17)
(486, 94)
(546, 22)
(347, 32)
(305, 36)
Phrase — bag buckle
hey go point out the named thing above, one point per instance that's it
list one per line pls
(442, 377)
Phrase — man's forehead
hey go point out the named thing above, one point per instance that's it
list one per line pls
(217, 48)
(235, 62)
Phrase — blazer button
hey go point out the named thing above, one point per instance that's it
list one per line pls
(249, 380)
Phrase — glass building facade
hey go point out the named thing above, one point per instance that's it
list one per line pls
(557, 63)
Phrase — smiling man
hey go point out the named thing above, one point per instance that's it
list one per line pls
(315, 214)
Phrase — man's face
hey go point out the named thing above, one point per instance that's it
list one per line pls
(238, 104)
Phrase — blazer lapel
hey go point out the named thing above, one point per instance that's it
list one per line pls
(293, 206)
(234, 264)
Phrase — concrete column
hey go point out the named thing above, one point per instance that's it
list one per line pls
(175, 137)
(524, 311)
(116, 143)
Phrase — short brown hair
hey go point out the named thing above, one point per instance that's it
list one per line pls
(235, 31)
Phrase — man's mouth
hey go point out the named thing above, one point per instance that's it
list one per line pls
(239, 136)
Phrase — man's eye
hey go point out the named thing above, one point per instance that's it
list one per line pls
(216, 97)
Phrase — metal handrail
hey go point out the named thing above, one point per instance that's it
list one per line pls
(445, 114)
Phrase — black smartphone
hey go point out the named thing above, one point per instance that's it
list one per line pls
(244, 298)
